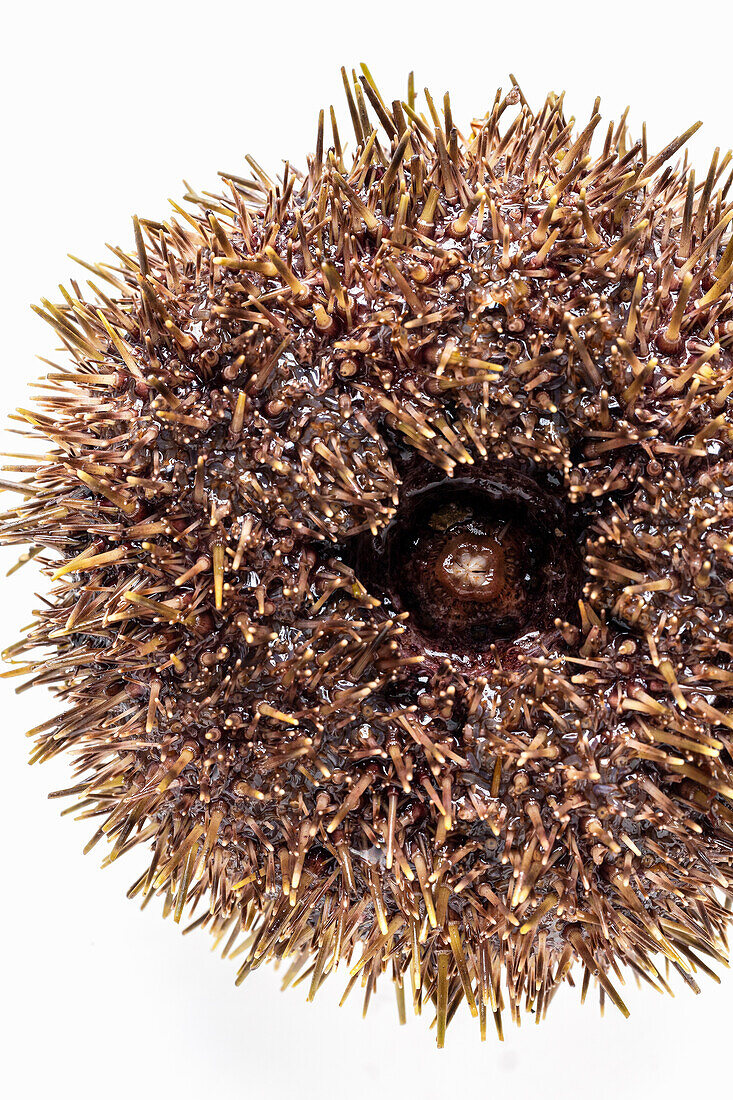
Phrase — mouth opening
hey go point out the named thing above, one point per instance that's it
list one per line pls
(475, 560)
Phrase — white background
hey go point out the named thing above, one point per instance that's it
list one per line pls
(107, 106)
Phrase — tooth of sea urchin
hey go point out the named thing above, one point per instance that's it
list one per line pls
(389, 516)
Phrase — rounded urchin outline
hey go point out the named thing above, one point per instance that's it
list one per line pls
(234, 401)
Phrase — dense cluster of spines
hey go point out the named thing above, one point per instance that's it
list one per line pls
(242, 401)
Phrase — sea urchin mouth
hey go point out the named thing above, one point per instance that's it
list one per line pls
(477, 565)
(475, 560)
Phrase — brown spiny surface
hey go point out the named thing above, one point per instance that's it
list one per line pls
(388, 509)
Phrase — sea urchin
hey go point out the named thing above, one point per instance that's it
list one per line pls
(389, 510)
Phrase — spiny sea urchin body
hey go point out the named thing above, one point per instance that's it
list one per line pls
(389, 511)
